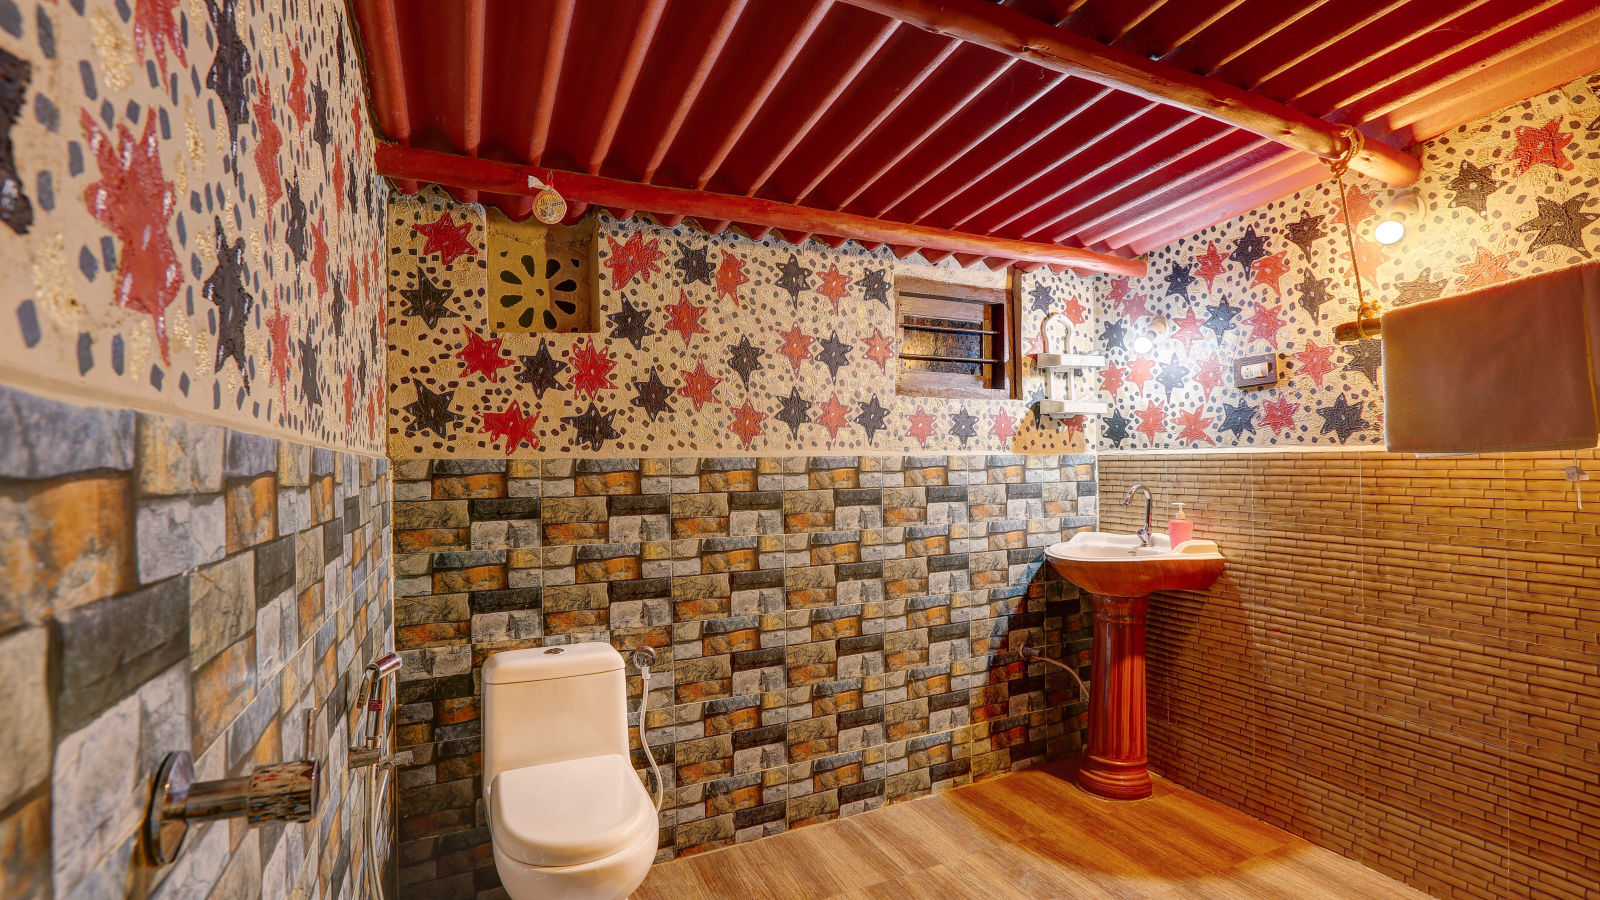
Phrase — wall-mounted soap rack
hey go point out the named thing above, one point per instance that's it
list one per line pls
(1051, 365)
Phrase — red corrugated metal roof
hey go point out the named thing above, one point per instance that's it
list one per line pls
(830, 106)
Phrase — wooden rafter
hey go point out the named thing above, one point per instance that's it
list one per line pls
(490, 176)
(1018, 35)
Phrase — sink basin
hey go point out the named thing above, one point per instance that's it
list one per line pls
(1119, 575)
(1114, 565)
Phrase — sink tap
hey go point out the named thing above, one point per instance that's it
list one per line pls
(1145, 532)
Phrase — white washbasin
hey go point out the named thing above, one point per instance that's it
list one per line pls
(1092, 545)
(1115, 565)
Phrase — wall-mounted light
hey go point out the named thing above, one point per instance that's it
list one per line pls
(1145, 341)
(1406, 210)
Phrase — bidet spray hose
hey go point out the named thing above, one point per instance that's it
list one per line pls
(642, 661)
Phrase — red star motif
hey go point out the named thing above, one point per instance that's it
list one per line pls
(1188, 331)
(349, 397)
(1004, 427)
(833, 416)
(921, 427)
(1315, 361)
(746, 424)
(446, 238)
(1152, 421)
(684, 318)
(278, 329)
(1264, 324)
(154, 24)
(1119, 289)
(319, 257)
(835, 286)
(1111, 379)
(267, 145)
(1074, 310)
(1485, 269)
(338, 176)
(591, 368)
(1135, 306)
(1210, 265)
(1278, 414)
(374, 404)
(1209, 376)
(1140, 370)
(1546, 146)
(299, 103)
(1369, 256)
(1269, 270)
(1359, 202)
(482, 356)
(1032, 345)
(730, 274)
(513, 425)
(632, 258)
(700, 386)
(1192, 425)
(880, 349)
(796, 346)
(135, 203)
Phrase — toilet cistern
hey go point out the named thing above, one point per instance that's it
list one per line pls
(1145, 532)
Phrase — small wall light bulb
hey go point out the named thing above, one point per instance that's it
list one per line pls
(1389, 231)
(1143, 344)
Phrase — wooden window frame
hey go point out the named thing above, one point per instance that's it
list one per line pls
(916, 296)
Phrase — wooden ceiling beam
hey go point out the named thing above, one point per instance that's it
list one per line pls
(1015, 34)
(494, 177)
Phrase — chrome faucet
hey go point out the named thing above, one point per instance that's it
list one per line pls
(1145, 532)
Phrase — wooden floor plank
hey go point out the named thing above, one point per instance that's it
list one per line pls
(1030, 835)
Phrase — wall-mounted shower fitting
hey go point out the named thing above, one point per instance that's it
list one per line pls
(282, 792)
(374, 697)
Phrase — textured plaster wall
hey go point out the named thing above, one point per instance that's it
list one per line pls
(1509, 195)
(190, 220)
(706, 344)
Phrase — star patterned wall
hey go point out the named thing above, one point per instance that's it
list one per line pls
(191, 220)
(706, 344)
(1509, 195)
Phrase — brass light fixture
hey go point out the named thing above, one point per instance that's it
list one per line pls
(1368, 323)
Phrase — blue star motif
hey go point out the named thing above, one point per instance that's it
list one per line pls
(1343, 418)
(963, 425)
(631, 324)
(1239, 419)
(1172, 376)
(1178, 281)
(1248, 249)
(1220, 318)
(1116, 430)
(1114, 334)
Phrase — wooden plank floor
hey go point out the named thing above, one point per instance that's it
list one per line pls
(1030, 834)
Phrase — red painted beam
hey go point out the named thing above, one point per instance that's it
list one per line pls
(495, 177)
(380, 32)
(644, 32)
(1016, 34)
(555, 56)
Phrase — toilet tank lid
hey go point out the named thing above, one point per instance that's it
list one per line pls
(543, 663)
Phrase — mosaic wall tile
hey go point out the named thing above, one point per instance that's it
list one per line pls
(213, 634)
(192, 217)
(703, 344)
(1505, 196)
(814, 661)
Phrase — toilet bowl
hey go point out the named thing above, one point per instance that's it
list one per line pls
(568, 817)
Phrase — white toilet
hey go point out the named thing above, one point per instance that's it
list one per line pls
(568, 817)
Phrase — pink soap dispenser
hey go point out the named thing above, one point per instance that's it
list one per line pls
(1180, 529)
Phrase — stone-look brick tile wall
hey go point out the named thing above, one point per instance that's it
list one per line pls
(833, 633)
(170, 586)
(1400, 662)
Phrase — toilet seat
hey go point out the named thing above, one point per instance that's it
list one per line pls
(570, 812)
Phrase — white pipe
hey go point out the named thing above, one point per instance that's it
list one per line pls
(644, 706)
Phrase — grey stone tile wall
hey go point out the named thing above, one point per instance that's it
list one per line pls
(169, 585)
(833, 634)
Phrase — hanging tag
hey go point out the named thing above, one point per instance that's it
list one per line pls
(549, 206)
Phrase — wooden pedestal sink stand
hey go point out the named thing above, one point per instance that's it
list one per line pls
(1116, 766)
